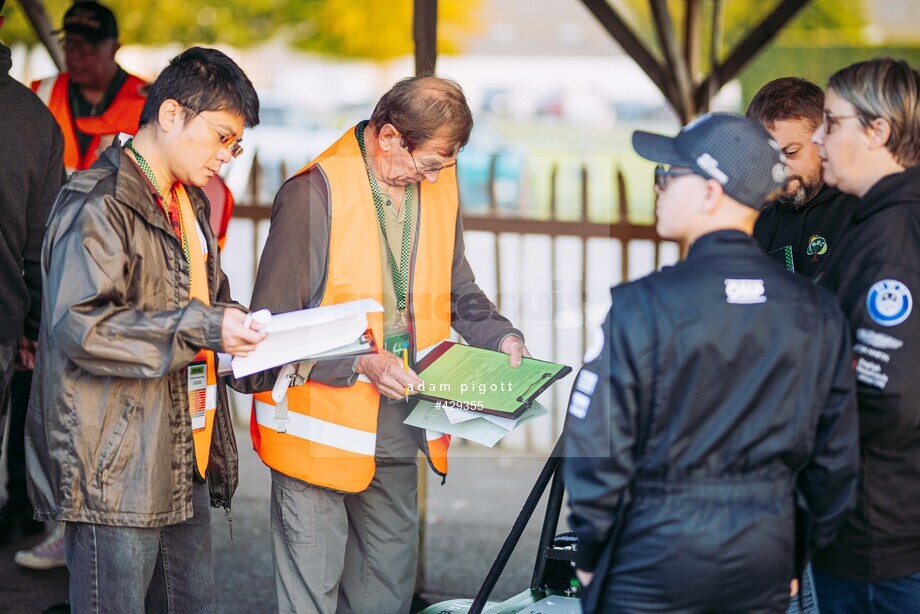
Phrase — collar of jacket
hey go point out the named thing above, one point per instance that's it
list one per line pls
(6, 62)
(132, 190)
(896, 189)
(723, 243)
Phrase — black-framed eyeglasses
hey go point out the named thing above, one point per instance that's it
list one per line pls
(424, 170)
(830, 120)
(663, 176)
(79, 46)
(229, 141)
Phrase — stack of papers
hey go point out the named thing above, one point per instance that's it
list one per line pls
(323, 332)
(476, 426)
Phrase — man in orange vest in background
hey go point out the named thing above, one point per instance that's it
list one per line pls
(374, 216)
(95, 99)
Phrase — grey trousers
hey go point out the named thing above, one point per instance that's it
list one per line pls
(346, 553)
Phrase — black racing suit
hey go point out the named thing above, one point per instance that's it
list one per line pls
(716, 423)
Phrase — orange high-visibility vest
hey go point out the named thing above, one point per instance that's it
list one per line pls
(123, 115)
(203, 407)
(330, 434)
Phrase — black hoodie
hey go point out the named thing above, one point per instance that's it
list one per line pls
(808, 234)
(31, 173)
(875, 273)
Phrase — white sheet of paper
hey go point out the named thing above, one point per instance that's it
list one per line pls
(456, 416)
(297, 335)
(427, 415)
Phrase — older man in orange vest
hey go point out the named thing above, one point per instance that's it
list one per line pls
(95, 99)
(374, 216)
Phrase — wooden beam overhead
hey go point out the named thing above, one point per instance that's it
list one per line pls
(692, 48)
(679, 73)
(38, 18)
(611, 20)
(425, 35)
(751, 45)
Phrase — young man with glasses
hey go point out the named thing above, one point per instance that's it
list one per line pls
(374, 216)
(719, 397)
(95, 98)
(128, 433)
(869, 145)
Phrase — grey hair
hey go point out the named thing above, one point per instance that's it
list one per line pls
(888, 89)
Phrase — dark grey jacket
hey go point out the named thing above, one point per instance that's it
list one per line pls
(31, 172)
(721, 395)
(108, 433)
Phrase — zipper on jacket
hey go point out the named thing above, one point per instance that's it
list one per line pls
(104, 474)
(229, 519)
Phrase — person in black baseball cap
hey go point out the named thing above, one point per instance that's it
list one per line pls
(732, 156)
(716, 395)
(91, 20)
(95, 98)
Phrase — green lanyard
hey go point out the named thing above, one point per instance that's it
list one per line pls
(145, 167)
(400, 274)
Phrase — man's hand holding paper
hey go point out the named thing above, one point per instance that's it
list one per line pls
(385, 371)
(237, 336)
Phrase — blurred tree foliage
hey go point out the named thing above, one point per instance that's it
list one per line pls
(374, 29)
(821, 22)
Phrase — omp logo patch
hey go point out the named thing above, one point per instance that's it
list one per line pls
(745, 291)
(711, 166)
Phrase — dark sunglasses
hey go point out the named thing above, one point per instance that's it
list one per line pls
(663, 175)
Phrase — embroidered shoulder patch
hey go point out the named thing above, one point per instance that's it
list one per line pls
(889, 302)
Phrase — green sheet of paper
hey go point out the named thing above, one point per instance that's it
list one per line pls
(483, 379)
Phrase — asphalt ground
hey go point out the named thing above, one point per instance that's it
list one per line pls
(467, 521)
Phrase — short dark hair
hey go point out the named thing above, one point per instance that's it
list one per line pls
(423, 108)
(889, 89)
(787, 98)
(203, 80)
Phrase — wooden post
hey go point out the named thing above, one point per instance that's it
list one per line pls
(425, 35)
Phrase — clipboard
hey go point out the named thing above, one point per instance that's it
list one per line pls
(475, 379)
(365, 344)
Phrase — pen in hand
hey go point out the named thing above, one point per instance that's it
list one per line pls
(405, 354)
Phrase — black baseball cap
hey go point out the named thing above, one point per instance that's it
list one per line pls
(734, 150)
(90, 20)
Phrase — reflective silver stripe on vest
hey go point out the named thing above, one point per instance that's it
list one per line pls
(319, 431)
(45, 87)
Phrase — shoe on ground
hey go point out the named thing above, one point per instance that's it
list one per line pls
(17, 522)
(49, 554)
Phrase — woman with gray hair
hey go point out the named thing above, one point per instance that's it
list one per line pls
(869, 143)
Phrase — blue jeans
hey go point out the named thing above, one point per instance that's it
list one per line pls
(128, 570)
(838, 595)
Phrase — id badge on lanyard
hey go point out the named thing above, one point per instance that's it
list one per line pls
(198, 392)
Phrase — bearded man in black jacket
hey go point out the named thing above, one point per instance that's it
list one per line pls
(802, 226)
